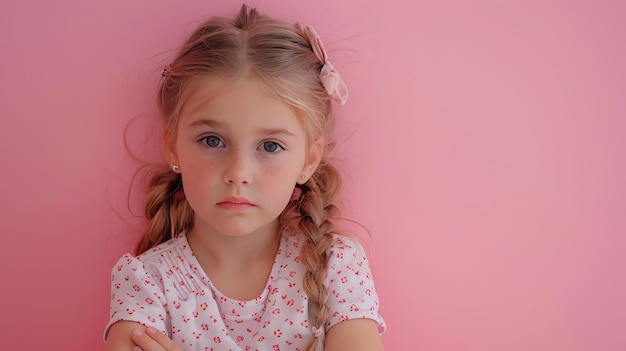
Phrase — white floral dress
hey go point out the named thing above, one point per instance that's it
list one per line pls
(166, 288)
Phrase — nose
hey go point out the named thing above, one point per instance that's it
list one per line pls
(238, 168)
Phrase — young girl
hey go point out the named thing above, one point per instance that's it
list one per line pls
(241, 251)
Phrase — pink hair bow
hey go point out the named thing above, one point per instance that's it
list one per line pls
(329, 76)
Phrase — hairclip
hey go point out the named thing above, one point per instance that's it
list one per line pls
(329, 76)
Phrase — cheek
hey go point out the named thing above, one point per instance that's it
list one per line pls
(284, 173)
(279, 182)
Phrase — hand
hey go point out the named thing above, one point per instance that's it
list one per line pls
(150, 339)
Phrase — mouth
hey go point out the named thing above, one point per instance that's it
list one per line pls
(235, 204)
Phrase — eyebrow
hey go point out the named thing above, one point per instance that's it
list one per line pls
(219, 125)
(205, 122)
(274, 131)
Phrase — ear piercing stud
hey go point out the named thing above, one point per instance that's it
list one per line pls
(175, 168)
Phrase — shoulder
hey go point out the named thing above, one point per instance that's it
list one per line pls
(173, 246)
(346, 258)
(346, 251)
(152, 261)
(341, 245)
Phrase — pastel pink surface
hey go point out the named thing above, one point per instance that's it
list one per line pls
(483, 146)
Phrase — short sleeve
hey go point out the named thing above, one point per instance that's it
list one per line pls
(351, 287)
(136, 295)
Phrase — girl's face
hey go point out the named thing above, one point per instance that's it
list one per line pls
(240, 151)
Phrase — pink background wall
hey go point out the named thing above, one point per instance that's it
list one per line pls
(484, 142)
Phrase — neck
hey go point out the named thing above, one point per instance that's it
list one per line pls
(220, 248)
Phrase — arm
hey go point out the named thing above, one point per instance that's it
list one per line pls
(132, 336)
(150, 339)
(352, 335)
(119, 339)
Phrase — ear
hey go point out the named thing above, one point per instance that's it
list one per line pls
(169, 144)
(313, 159)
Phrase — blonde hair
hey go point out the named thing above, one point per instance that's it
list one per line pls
(276, 54)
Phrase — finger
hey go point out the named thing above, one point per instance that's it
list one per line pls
(162, 339)
(145, 341)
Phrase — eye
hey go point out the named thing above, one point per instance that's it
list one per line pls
(271, 147)
(212, 141)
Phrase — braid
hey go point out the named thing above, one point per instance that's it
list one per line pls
(312, 216)
(166, 211)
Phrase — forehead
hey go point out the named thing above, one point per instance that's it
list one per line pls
(245, 100)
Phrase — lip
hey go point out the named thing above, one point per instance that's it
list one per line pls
(233, 203)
